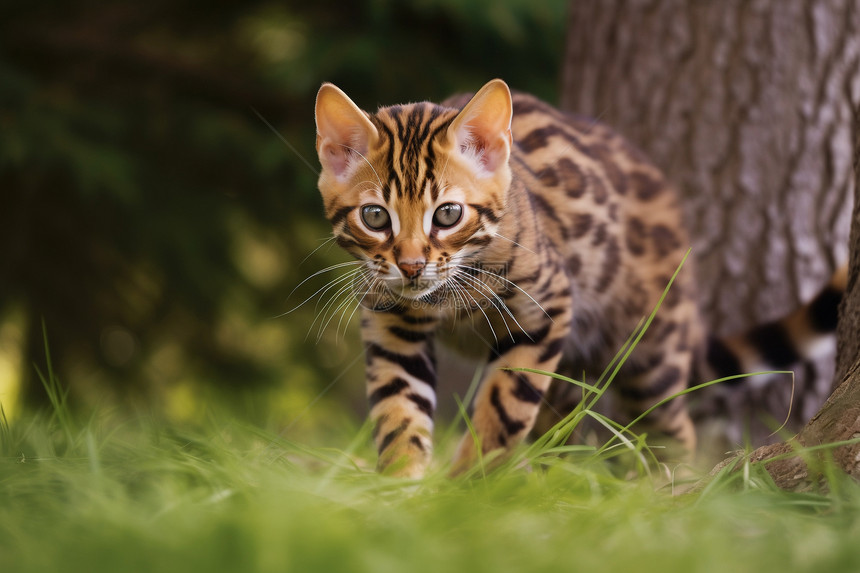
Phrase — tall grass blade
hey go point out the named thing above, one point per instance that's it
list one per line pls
(6, 442)
(57, 395)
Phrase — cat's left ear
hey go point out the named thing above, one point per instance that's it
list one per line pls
(482, 130)
(344, 132)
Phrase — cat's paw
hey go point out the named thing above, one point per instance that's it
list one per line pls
(406, 458)
(466, 458)
(404, 468)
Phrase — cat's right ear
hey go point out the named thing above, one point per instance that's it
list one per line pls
(344, 132)
(482, 129)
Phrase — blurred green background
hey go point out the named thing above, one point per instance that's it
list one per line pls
(157, 226)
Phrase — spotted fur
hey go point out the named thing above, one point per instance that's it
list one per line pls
(567, 237)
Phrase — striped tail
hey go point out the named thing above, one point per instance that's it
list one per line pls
(801, 336)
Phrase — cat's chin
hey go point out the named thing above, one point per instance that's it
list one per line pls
(414, 291)
(423, 292)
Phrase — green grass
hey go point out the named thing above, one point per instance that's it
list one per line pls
(143, 495)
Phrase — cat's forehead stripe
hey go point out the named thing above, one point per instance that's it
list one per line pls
(410, 157)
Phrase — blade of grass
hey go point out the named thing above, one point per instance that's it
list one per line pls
(644, 414)
(583, 385)
(57, 395)
(6, 440)
(475, 440)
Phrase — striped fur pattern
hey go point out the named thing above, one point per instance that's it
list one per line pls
(514, 233)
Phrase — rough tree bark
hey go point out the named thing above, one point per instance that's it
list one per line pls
(839, 418)
(749, 108)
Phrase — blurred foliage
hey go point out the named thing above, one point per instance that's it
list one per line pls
(157, 225)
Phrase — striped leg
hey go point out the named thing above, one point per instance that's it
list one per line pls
(669, 425)
(401, 382)
(507, 402)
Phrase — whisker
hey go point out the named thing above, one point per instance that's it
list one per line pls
(513, 284)
(325, 270)
(484, 289)
(284, 139)
(501, 236)
(477, 304)
(460, 304)
(343, 282)
(321, 291)
(375, 284)
(339, 310)
(321, 315)
(366, 161)
(331, 310)
(327, 241)
(335, 309)
(480, 285)
(323, 326)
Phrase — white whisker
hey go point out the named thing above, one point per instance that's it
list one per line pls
(484, 288)
(501, 236)
(340, 306)
(324, 243)
(320, 292)
(325, 270)
(375, 283)
(513, 284)
(345, 283)
(478, 305)
(366, 161)
(334, 301)
(339, 282)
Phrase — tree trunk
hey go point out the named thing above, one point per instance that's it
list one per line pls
(748, 106)
(839, 418)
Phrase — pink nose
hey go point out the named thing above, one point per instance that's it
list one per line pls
(411, 269)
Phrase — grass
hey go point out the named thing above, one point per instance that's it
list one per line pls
(144, 495)
(141, 494)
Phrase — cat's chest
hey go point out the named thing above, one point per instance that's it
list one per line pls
(464, 341)
(472, 335)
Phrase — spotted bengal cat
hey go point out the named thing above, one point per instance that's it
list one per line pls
(518, 234)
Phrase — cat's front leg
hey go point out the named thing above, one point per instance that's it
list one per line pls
(507, 402)
(401, 389)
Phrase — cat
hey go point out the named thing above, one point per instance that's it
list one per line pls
(523, 236)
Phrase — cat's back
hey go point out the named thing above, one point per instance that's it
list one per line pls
(610, 213)
(582, 158)
(592, 187)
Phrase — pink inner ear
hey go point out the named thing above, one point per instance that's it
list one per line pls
(489, 153)
(336, 158)
(493, 155)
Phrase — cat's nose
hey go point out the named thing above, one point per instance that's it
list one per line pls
(411, 269)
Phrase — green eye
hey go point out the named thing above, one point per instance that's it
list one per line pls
(447, 215)
(375, 217)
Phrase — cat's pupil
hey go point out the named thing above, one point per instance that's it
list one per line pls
(447, 215)
(375, 217)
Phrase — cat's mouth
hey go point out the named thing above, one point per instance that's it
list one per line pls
(387, 294)
(416, 289)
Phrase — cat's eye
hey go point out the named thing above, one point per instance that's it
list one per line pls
(447, 215)
(375, 217)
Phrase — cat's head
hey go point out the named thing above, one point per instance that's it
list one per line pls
(415, 190)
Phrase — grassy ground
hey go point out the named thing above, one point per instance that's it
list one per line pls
(143, 495)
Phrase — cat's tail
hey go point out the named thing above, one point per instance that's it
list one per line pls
(801, 336)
